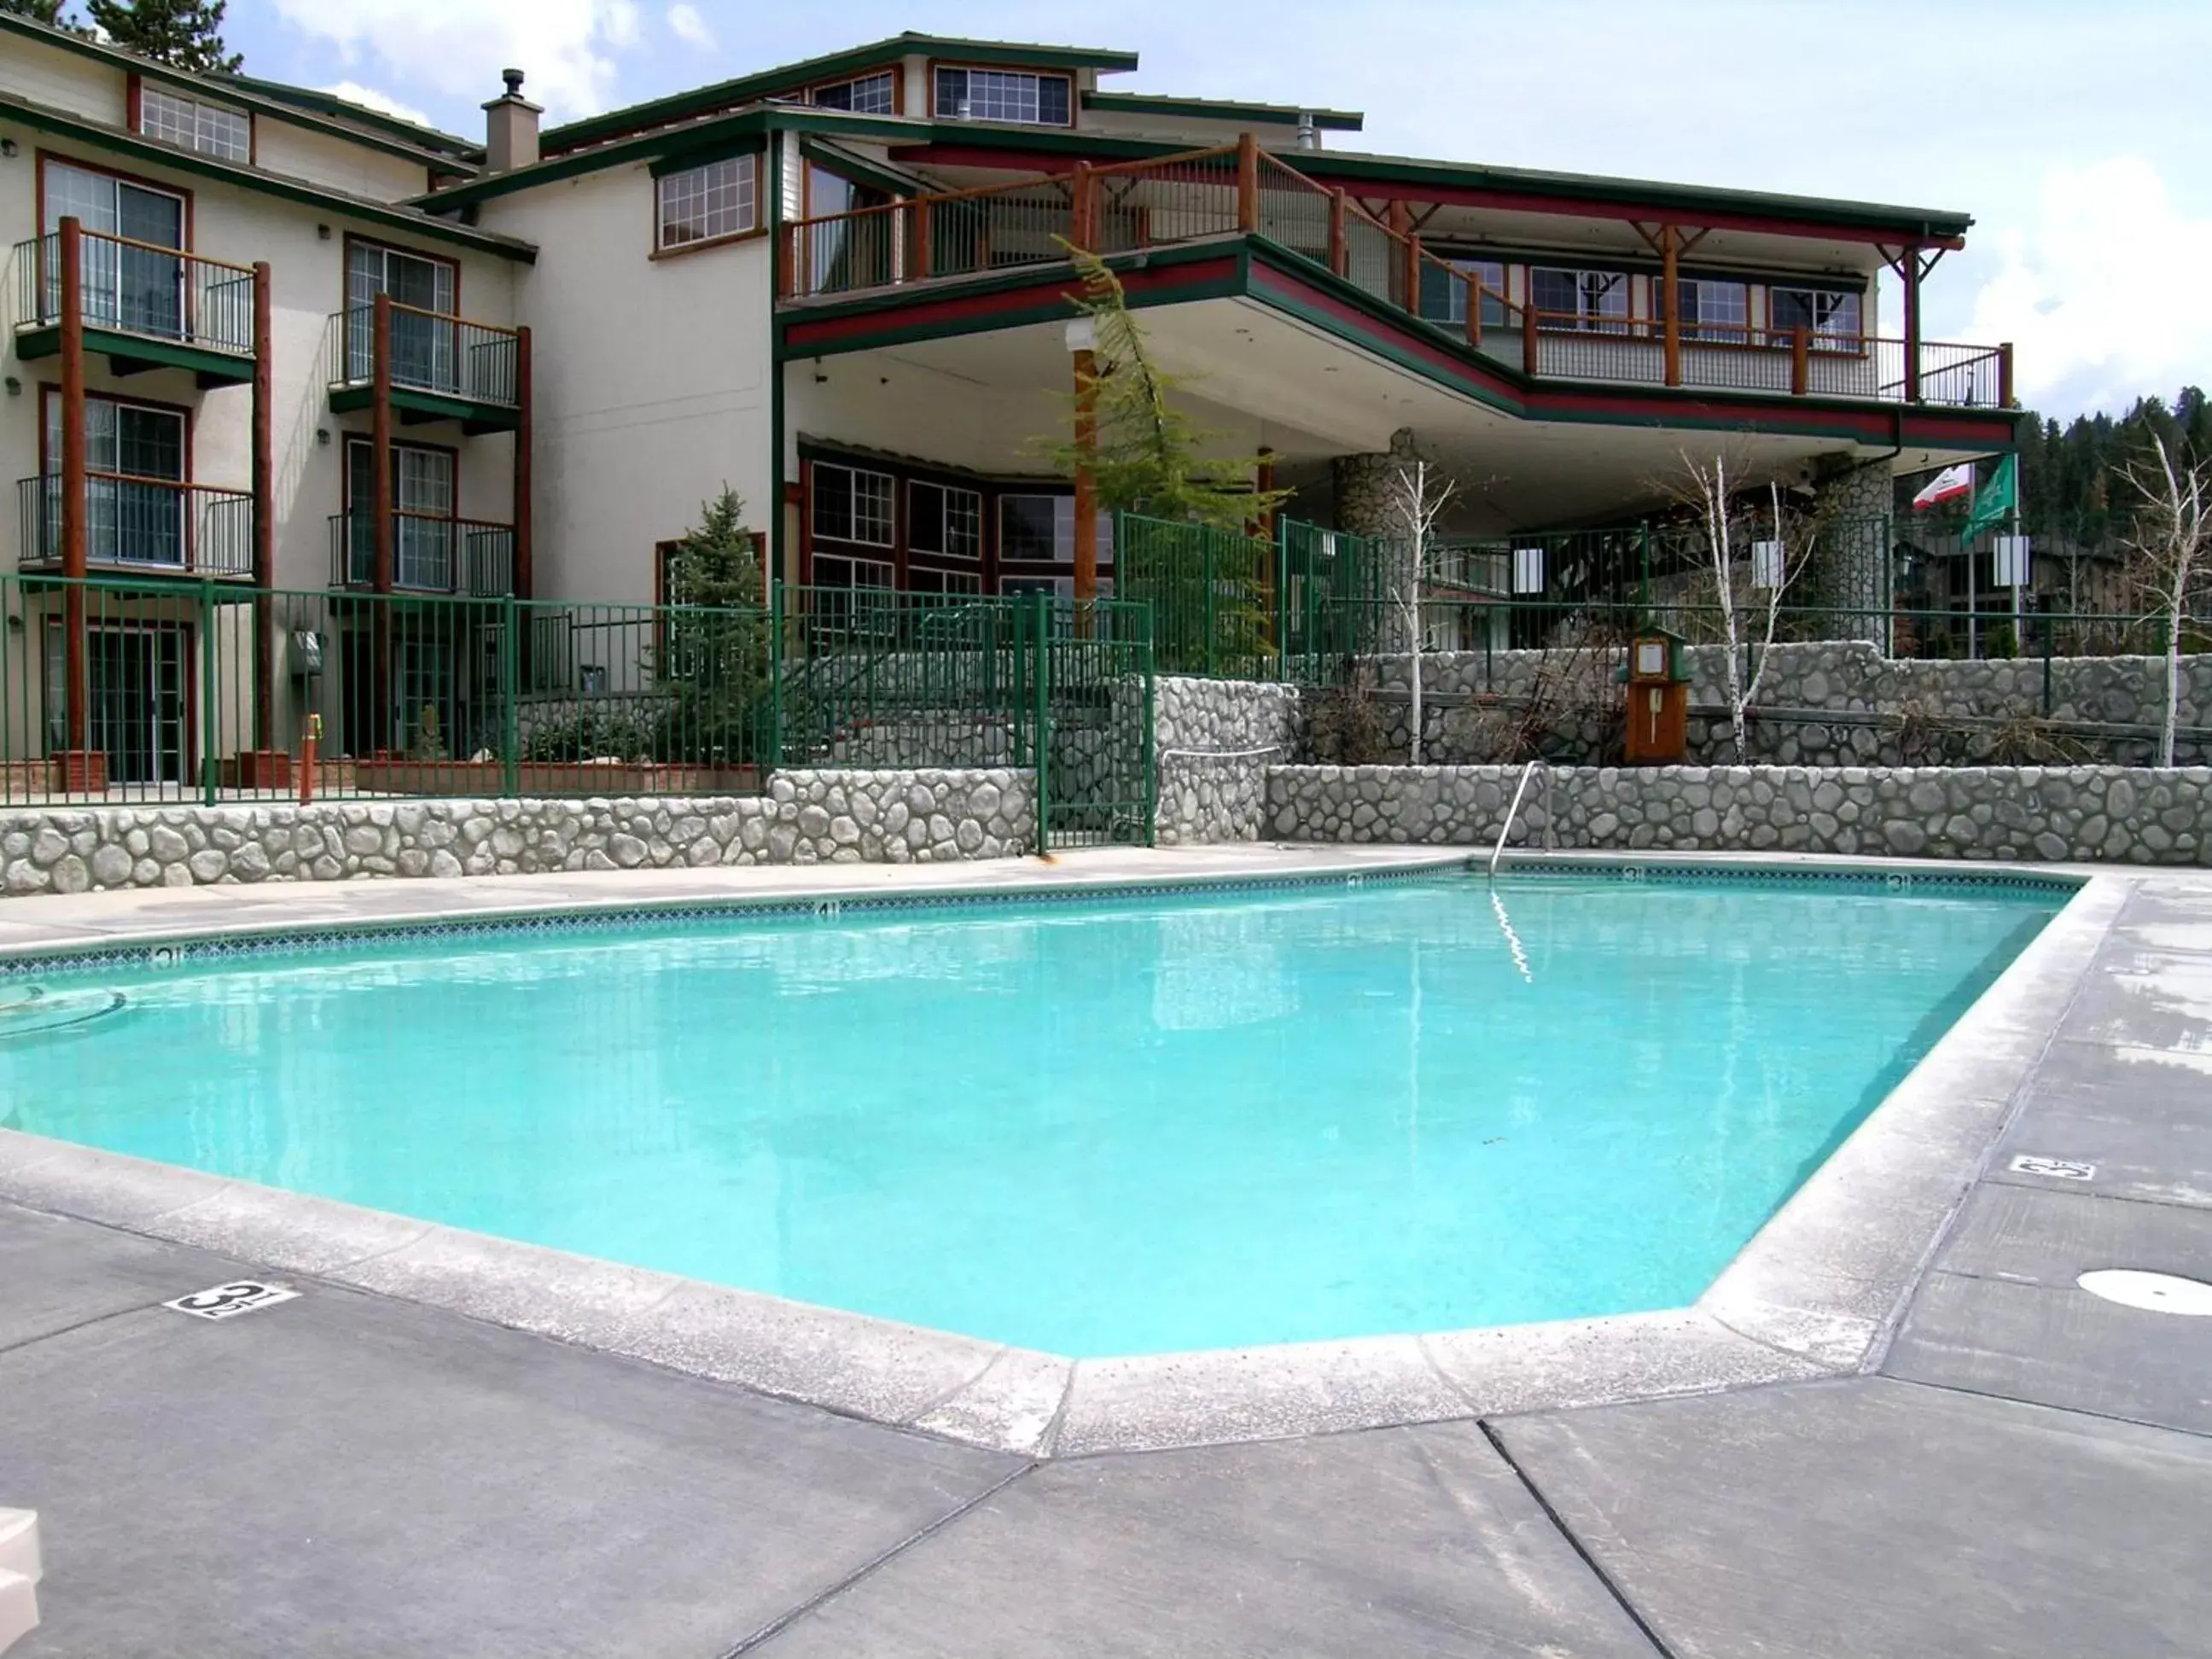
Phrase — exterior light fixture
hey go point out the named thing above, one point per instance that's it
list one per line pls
(1527, 570)
(1767, 565)
(9, 148)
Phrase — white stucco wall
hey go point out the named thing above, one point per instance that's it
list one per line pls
(658, 394)
(320, 158)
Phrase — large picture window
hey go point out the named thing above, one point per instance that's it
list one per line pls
(965, 94)
(1580, 299)
(701, 203)
(1711, 310)
(1039, 529)
(194, 124)
(1444, 301)
(852, 504)
(870, 94)
(945, 519)
(1832, 318)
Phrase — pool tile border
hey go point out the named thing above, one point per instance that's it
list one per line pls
(1816, 1292)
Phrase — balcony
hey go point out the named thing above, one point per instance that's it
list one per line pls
(430, 554)
(1239, 191)
(144, 307)
(141, 526)
(440, 368)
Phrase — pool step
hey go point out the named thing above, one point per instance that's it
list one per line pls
(18, 1575)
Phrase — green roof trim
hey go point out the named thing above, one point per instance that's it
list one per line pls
(325, 103)
(860, 169)
(707, 150)
(338, 202)
(1350, 166)
(262, 97)
(1223, 109)
(790, 77)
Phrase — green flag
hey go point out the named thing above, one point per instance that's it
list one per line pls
(1996, 500)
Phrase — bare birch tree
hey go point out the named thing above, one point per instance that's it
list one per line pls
(1418, 499)
(2171, 550)
(1710, 487)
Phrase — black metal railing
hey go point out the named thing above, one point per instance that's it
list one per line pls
(139, 287)
(430, 554)
(140, 524)
(430, 351)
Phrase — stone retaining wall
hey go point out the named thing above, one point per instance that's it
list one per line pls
(1212, 787)
(1866, 691)
(805, 818)
(2108, 813)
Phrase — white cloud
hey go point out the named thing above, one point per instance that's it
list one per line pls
(687, 26)
(2093, 292)
(458, 47)
(369, 98)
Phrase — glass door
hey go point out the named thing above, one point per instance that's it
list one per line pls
(423, 530)
(135, 492)
(136, 283)
(422, 293)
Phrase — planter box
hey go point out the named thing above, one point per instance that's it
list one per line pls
(81, 771)
(476, 780)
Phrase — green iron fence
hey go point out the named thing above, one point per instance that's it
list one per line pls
(116, 690)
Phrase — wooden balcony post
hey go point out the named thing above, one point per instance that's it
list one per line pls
(1800, 360)
(380, 527)
(265, 514)
(1529, 360)
(76, 682)
(918, 243)
(1339, 260)
(1084, 210)
(2005, 399)
(1413, 274)
(1670, 302)
(1248, 183)
(1911, 272)
(1473, 286)
(522, 577)
(380, 407)
(1086, 479)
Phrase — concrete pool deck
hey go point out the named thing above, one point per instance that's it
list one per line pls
(2006, 1463)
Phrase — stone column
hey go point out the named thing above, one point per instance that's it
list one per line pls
(1365, 486)
(1850, 568)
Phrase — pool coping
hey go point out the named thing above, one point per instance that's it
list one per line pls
(1815, 1292)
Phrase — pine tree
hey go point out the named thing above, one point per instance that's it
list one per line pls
(187, 33)
(715, 651)
(38, 11)
(1147, 459)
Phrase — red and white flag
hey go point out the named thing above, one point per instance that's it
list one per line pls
(1949, 485)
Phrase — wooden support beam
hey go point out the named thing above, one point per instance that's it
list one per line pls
(77, 688)
(523, 577)
(1248, 183)
(1670, 303)
(1087, 480)
(264, 511)
(1338, 260)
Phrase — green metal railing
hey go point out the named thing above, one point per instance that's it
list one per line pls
(1211, 592)
(130, 690)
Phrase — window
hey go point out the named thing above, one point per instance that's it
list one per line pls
(1037, 100)
(941, 519)
(871, 94)
(852, 573)
(944, 581)
(703, 202)
(1580, 299)
(208, 128)
(130, 283)
(1062, 587)
(851, 504)
(1713, 311)
(1037, 528)
(1832, 318)
(1444, 301)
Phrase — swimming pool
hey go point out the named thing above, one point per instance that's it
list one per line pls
(1130, 1126)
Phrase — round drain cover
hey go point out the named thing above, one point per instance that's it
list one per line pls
(2156, 1292)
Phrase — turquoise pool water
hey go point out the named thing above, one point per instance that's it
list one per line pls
(1118, 1128)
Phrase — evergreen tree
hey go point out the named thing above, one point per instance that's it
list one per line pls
(715, 640)
(187, 33)
(41, 11)
(1147, 459)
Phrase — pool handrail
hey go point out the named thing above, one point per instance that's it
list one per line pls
(1511, 812)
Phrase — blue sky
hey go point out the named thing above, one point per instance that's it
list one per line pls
(2075, 134)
